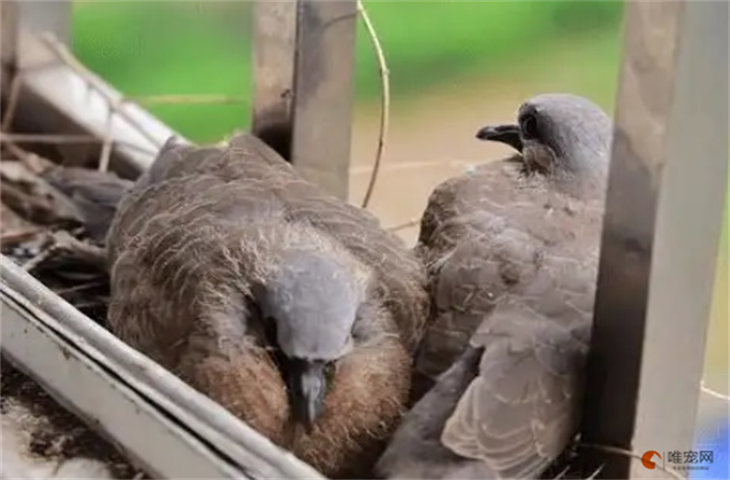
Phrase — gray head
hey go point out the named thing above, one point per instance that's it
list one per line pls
(560, 135)
(312, 299)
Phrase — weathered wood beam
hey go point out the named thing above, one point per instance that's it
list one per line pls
(663, 218)
(303, 85)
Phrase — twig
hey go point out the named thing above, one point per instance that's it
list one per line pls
(63, 242)
(12, 101)
(61, 139)
(385, 101)
(418, 164)
(65, 56)
(562, 473)
(713, 393)
(106, 147)
(595, 474)
(205, 99)
(627, 453)
(32, 161)
(11, 239)
(39, 258)
(79, 288)
(403, 226)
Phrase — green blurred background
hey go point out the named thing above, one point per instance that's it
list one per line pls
(203, 47)
(454, 65)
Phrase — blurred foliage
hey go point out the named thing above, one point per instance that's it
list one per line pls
(171, 48)
(431, 42)
(204, 47)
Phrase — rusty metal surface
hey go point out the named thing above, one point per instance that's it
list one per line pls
(303, 85)
(661, 230)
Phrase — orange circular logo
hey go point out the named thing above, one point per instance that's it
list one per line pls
(646, 459)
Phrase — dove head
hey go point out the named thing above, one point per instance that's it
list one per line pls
(311, 298)
(562, 136)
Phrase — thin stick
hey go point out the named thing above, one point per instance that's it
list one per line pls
(403, 226)
(384, 104)
(205, 99)
(417, 164)
(106, 148)
(65, 56)
(13, 97)
(562, 474)
(79, 288)
(33, 162)
(62, 139)
(12, 238)
(38, 259)
(627, 453)
(713, 393)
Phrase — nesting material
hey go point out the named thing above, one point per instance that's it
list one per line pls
(41, 230)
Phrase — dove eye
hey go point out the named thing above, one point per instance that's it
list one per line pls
(528, 126)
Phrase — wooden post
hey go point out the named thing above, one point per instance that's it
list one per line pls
(663, 216)
(303, 85)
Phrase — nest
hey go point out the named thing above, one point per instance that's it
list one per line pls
(43, 231)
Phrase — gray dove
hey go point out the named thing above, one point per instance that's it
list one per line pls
(292, 309)
(511, 251)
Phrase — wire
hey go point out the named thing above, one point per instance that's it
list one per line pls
(384, 100)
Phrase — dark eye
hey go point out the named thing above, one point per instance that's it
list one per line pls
(528, 125)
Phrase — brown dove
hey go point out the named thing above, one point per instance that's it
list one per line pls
(292, 309)
(512, 251)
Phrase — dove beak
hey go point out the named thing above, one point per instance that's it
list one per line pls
(307, 386)
(509, 134)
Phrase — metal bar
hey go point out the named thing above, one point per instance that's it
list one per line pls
(215, 439)
(664, 208)
(303, 85)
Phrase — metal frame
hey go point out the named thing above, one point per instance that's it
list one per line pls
(303, 85)
(663, 217)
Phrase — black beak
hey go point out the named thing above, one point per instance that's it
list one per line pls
(509, 134)
(307, 387)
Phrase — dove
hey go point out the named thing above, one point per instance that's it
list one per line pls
(511, 251)
(289, 307)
